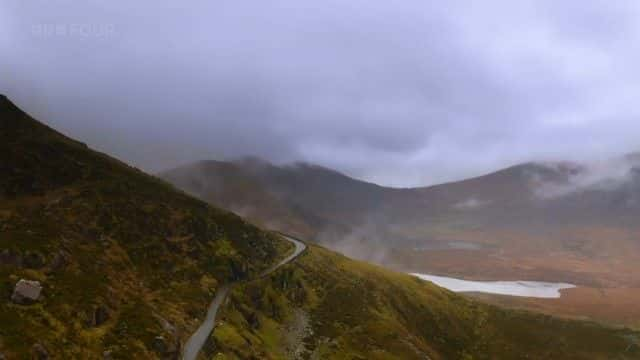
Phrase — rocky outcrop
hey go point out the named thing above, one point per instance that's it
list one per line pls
(26, 292)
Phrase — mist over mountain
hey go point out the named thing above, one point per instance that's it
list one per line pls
(555, 221)
(571, 191)
(306, 180)
(401, 94)
(100, 260)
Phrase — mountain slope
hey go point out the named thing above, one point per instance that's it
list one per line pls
(227, 185)
(123, 258)
(128, 266)
(522, 198)
(559, 222)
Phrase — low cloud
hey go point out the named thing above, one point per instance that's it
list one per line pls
(605, 175)
(400, 93)
(363, 242)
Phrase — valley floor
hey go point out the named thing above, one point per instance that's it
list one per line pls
(607, 287)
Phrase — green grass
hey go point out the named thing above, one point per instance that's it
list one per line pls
(361, 311)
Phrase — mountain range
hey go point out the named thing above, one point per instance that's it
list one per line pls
(120, 264)
(545, 221)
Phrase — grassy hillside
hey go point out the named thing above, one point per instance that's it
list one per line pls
(326, 306)
(123, 257)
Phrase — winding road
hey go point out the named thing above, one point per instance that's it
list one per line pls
(197, 340)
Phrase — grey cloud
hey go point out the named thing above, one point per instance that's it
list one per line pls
(605, 175)
(408, 93)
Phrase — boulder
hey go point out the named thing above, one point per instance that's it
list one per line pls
(106, 355)
(26, 292)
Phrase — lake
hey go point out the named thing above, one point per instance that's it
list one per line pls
(536, 289)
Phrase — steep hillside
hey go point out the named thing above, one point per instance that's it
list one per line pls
(229, 186)
(304, 199)
(127, 264)
(314, 196)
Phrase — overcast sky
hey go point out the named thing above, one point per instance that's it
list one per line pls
(401, 93)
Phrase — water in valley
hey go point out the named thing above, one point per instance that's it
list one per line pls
(537, 289)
